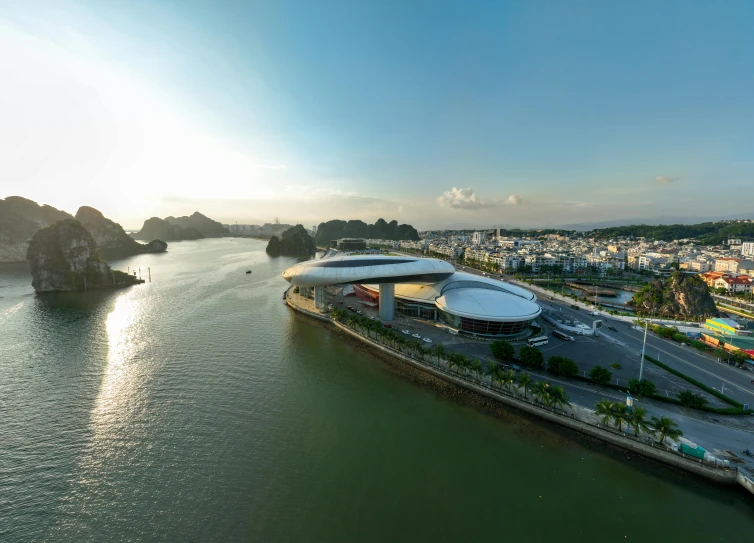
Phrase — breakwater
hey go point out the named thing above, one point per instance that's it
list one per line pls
(579, 418)
(593, 290)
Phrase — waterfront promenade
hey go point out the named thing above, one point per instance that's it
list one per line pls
(574, 416)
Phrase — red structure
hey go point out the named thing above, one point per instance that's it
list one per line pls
(367, 296)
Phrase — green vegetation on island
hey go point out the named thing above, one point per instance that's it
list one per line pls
(295, 241)
(112, 241)
(337, 229)
(683, 296)
(63, 257)
(196, 226)
(20, 218)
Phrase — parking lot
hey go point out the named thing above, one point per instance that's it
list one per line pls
(586, 351)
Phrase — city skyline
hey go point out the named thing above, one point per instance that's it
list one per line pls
(434, 114)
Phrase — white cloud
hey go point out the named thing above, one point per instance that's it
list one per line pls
(665, 179)
(513, 200)
(461, 199)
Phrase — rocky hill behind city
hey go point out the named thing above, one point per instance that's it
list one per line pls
(336, 229)
(295, 241)
(683, 296)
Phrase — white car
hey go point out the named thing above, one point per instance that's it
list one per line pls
(406, 332)
(595, 313)
(427, 340)
(417, 336)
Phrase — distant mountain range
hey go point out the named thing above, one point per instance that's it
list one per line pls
(196, 226)
(651, 221)
(336, 229)
(21, 218)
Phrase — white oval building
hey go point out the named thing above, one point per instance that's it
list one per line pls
(472, 304)
(368, 269)
(424, 288)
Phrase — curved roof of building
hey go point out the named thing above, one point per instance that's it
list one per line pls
(484, 304)
(462, 280)
(474, 296)
(368, 269)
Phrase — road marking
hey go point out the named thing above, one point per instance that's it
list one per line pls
(734, 385)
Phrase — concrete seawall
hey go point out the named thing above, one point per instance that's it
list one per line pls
(655, 453)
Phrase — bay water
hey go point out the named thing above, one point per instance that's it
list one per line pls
(198, 407)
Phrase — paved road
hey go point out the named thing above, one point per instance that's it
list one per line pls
(701, 367)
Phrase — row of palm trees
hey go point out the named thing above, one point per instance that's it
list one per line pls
(459, 363)
(615, 413)
(619, 414)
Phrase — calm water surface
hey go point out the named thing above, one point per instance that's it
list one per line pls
(199, 408)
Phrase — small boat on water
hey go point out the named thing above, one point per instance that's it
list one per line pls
(248, 272)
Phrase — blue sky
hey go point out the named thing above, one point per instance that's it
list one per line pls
(434, 113)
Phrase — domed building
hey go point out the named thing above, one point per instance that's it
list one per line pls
(423, 288)
(468, 303)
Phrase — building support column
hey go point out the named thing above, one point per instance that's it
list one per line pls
(320, 298)
(387, 301)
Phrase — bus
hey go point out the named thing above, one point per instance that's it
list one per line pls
(562, 335)
(536, 341)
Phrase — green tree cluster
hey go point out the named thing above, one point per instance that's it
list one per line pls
(562, 366)
(502, 350)
(531, 357)
(600, 375)
(644, 388)
(692, 399)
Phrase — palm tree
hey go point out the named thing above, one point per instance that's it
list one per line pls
(440, 352)
(452, 360)
(559, 397)
(476, 367)
(490, 370)
(620, 415)
(541, 392)
(463, 363)
(638, 420)
(524, 381)
(509, 378)
(666, 428)
(604, 409)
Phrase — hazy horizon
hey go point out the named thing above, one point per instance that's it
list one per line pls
(435, 114)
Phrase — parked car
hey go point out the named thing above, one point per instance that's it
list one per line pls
(360, 312)
(372, 319)
(427, 340)
(406, 332)
(417, 336)
(386, 325)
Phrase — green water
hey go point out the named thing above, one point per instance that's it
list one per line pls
(199, 408)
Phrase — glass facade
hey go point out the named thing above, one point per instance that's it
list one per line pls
(478, 327)
(416, 309)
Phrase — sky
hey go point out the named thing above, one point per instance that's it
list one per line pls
(438, 114)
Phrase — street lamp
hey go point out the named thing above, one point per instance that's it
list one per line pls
(644, 345)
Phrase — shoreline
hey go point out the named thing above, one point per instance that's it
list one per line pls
(502, 406)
